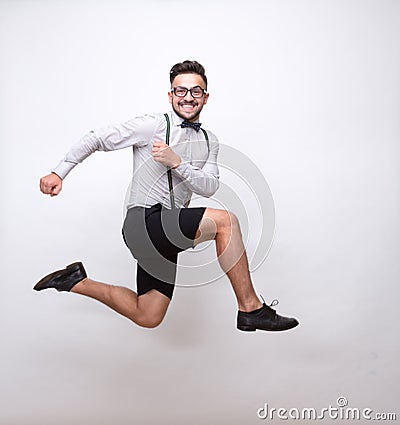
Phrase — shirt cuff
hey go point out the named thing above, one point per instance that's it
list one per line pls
(63, 168)
(183, 169)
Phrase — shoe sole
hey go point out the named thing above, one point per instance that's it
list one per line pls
(253, 329)
(246, 328)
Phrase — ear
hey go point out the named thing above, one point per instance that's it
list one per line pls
(170, 97)
(206, 98)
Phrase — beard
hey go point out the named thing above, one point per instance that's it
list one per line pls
(192, 117)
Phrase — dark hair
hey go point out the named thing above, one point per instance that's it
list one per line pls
(187, 67)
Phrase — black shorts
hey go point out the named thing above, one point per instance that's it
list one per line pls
(155, 236)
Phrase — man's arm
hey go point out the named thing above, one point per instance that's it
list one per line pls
(135, 132)
(202, 181)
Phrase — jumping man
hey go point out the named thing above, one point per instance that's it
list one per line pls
(174, 157)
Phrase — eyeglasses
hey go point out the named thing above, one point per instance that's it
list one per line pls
(196, 92)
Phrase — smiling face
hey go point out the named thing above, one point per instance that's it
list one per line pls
(188, 107)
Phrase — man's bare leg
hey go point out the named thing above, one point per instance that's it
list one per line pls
(224, 227)
(147, 310)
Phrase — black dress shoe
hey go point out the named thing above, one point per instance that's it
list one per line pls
(265, 319)
(63, 280)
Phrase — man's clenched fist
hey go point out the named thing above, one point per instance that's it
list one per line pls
(51, 184)
(163, 154)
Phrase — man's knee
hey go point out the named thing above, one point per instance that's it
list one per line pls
(215, 222)
(152, 323)
(228, 220)
(148, 321)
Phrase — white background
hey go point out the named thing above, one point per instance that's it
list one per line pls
(309, 90)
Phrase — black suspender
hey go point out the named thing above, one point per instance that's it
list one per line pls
(169, 172)
(206, 136)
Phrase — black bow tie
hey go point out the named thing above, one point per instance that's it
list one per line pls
(195, 125)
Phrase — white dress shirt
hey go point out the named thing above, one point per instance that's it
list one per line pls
(198, 171)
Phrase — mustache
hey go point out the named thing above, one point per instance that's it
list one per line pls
(185, 102)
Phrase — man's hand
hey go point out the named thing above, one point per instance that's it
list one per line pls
(51, 184)
(163, 154)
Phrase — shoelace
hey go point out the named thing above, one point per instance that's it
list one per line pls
(273, 303)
